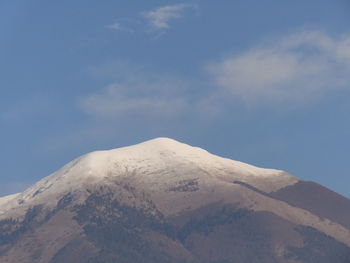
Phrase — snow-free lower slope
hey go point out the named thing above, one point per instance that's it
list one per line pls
(154, 165)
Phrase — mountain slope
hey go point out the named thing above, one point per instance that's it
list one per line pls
(165, 201)
(316, 199)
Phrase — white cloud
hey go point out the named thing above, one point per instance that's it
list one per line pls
(115, 102)
(295, 68)
(161, 17)
(118, 27)
(138, 94)
(115, 26)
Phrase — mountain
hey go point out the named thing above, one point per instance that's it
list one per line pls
(165, 201)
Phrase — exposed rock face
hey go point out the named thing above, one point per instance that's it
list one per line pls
(164, 201)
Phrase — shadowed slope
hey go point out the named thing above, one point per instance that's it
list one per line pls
(317, 199)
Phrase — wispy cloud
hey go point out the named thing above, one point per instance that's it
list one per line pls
(290, 70)
(118, 27)
(116, 102)
(160, 18)
(295, 68)
(115, 26)
(136, 94)
(157, 19)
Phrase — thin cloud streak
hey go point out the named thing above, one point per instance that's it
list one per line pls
(117, 27)
(137, 94)
(160, 18)
(115, 102)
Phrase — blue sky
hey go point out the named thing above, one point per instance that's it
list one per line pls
(264, 82)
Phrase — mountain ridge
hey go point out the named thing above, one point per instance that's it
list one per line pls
(159, 152)
(165, 201)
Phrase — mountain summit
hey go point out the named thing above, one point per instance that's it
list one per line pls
(166, 201)
(154, 165)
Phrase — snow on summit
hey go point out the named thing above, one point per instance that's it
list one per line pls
(154, 166)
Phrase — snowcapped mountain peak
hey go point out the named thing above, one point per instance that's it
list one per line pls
(159, 153)
(167, 194)
(159, 146)
(154, 166)
(163, 142)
